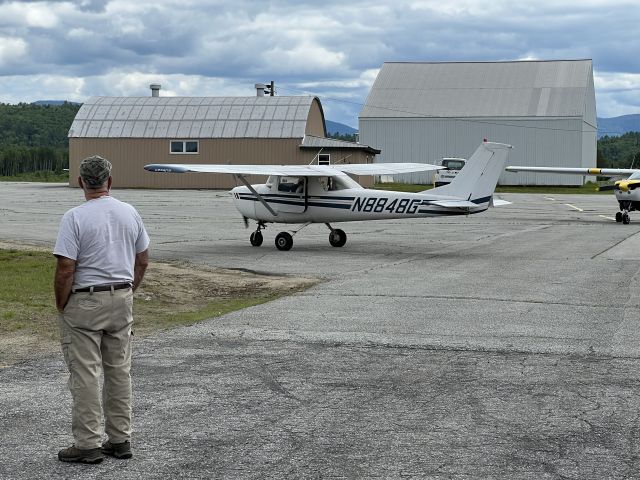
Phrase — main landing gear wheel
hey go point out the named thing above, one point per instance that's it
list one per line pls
(618, 217)
(284, 241)
(337, 238)
(256, 238)
(625, 218)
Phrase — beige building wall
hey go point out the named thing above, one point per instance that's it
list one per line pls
(130, 155)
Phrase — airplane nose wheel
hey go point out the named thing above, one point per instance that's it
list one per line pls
(337, 238)
(623, 215)
(284, 241)
(256, 238)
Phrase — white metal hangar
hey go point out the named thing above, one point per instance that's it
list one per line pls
(422, 112)
(134, 131)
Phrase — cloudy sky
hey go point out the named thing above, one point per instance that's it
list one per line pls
(76, 49)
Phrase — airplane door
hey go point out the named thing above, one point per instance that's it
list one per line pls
(292, 195)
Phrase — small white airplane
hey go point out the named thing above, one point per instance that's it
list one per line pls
(308, 194)
(626, 191)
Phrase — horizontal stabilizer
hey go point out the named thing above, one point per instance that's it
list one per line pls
(497, 202)
(453, 203)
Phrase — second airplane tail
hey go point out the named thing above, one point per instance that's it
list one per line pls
(477, 180)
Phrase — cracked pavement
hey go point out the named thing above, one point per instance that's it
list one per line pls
(500, 345)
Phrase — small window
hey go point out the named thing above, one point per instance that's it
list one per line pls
(291, 184)
(324, 159)
(184, 146)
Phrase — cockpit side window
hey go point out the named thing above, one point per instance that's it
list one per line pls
(291, 184)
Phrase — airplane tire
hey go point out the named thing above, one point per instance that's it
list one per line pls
(618, 217)
(256, 239)
(625, 218)
(337, 238)
(284, 241)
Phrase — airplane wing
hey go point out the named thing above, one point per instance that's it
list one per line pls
(575, 171)
(295, 170)
(385, 168)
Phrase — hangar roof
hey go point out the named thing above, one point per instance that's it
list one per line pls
(311, 141)
(553, 88)
(193, 117)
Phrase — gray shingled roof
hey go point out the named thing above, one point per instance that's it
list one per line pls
(311, 141)
(192, 117)
(486, 89)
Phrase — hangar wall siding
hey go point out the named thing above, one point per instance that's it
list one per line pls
(129, 155)
(562, 142)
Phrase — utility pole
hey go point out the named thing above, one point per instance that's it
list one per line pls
(271, 88)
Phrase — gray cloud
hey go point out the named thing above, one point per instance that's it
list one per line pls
(103, 47)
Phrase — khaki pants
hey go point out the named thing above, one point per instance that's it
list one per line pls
(95, 330)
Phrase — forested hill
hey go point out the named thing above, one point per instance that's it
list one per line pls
(619, 152)
(30, 125)
(33, 138)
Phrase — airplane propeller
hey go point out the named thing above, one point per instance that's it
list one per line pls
(246, 221)
(604, 188)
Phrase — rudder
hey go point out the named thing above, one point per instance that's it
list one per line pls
(478, 178)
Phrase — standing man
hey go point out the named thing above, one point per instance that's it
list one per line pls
(102, 254)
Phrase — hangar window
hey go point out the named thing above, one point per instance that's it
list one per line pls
(324, 159)
(184, 146)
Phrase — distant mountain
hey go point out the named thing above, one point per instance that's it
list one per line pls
(54, 102)
(339, 128)
(616, 126)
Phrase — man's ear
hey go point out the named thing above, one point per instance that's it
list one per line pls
(80, 183)
(109, 182)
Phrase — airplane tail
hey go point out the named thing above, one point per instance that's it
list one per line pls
(478, 178)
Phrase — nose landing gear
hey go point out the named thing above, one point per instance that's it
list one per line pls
(256, 237)
(623, 215)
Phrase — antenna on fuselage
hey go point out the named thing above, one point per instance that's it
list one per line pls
(317, 156)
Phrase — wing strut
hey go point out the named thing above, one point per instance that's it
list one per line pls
(258, 196)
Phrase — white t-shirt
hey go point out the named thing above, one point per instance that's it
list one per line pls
(103, 236)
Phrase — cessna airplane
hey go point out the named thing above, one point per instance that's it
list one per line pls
(308, 194)
(626, 191)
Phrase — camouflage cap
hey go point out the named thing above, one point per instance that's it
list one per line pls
(95, 171)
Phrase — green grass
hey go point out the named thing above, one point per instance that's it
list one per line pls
(153, 316)
(27, 302)
(41, 176)
(588, 188)
(26, 292)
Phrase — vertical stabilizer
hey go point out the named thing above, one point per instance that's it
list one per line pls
(478, 178)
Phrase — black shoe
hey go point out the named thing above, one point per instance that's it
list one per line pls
(77, 455)
(117, 450)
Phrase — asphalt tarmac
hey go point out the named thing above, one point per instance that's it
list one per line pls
(500, 345)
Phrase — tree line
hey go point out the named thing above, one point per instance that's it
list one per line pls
(35, 137)
(619, 152)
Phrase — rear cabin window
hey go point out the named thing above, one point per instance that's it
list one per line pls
(184, 146)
